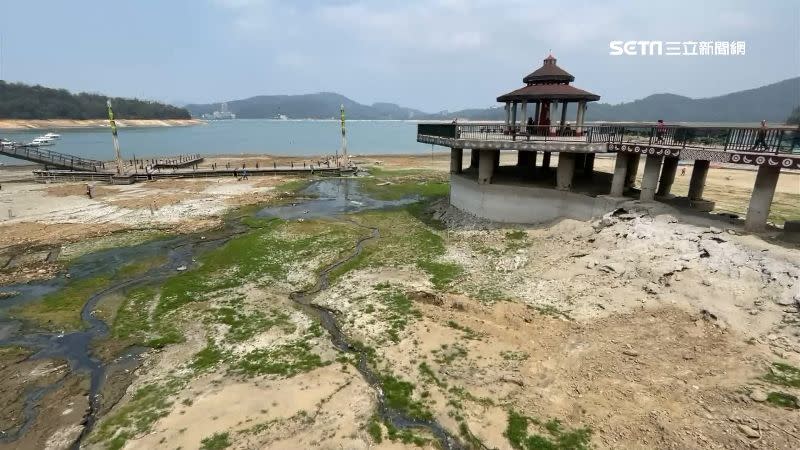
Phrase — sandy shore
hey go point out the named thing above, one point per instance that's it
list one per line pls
(54, 124)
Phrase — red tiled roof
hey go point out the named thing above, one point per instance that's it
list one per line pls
(549, 72)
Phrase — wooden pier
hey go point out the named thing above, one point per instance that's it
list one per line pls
(45, 176)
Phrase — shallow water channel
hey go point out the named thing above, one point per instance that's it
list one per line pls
(329, 198)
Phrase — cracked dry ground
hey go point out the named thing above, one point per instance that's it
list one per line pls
(637, 331)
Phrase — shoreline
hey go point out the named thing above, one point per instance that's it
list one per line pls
(63, 124)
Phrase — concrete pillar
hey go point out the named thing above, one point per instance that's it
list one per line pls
(456, 155)
(698, 181)
(563, 116)
(633, 169)
(496, 160)
(652, 167)
(536, 114)
(508, 113)
(620, 172)
(668, 171)
(532, 159)
(523, 158)
(588, 167)
(761, 197)
(546, 160)
(473, 159)
(566, 171)
(486, 166)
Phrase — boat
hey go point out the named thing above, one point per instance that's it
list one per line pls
(42, 141)
(53, 136)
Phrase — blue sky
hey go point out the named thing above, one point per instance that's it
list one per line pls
(431, 55)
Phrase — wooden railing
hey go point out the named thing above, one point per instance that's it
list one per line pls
(761, 140)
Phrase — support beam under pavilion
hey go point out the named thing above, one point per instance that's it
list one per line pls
(456, 158)
(620, 174)
(761, 198)
(486, 166)
(566, 171)
(698, 181)
(668, 171)
(546, 161)
(652, 167)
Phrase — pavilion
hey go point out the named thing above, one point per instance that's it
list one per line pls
(548, 87)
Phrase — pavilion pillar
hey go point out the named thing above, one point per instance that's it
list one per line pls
(668, 172)
(513, 118)
(536, 114)
(761, 197)
(553, 113)
(546, 160)
(633, 169)
(456, 156)
(579, 118)
(620, 174)
(473, 159)
(566, 171)
(486, 166)
(652, 167)
(563, 117)
(508, 113)
(524, 119)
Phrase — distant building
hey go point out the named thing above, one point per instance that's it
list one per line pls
(222, 114)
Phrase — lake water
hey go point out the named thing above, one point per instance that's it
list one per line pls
(234, 137)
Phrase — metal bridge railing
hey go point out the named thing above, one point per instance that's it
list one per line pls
(760, 140)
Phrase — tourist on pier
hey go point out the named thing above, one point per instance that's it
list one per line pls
(244, 174)
(529, 128)
(89, 190)
(761, 137)
(661, 129)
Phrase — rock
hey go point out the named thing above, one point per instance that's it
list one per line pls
(426, 297)
(630, 352)
(180, 268)
(758, 395)
(714, 230)
(731, 231)
(749, 432)
(651, 288)
(591, 264)
(613, 267)
(787, 300)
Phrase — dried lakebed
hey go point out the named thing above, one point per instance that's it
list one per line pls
(349, 320)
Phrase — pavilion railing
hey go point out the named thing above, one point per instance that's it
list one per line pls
(766, 140)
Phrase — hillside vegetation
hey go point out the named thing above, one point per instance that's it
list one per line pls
(22, 101)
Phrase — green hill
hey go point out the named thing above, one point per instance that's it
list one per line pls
(322, 105)
(21, 101)
(773, 103)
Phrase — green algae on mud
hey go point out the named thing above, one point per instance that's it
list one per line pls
(396, 184)
(406, 239)
(61, 310)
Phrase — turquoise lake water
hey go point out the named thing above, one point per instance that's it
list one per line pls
(235, 137)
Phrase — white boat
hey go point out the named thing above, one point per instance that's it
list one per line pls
(53, 136)
(42, 141)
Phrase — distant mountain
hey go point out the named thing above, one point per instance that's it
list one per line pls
(21, 101)
(773, 103)
(323, 105)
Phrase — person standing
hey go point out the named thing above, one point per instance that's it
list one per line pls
(661, 129)
(761, 137)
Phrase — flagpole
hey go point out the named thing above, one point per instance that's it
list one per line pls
(344, 141)
(118, 156)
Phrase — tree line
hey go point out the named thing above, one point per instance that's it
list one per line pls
(22, 101)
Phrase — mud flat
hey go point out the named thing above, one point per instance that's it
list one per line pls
(423, 327)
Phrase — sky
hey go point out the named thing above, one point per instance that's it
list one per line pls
(431, 55)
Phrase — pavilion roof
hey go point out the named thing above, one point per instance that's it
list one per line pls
(549, 73)
(536, 92)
